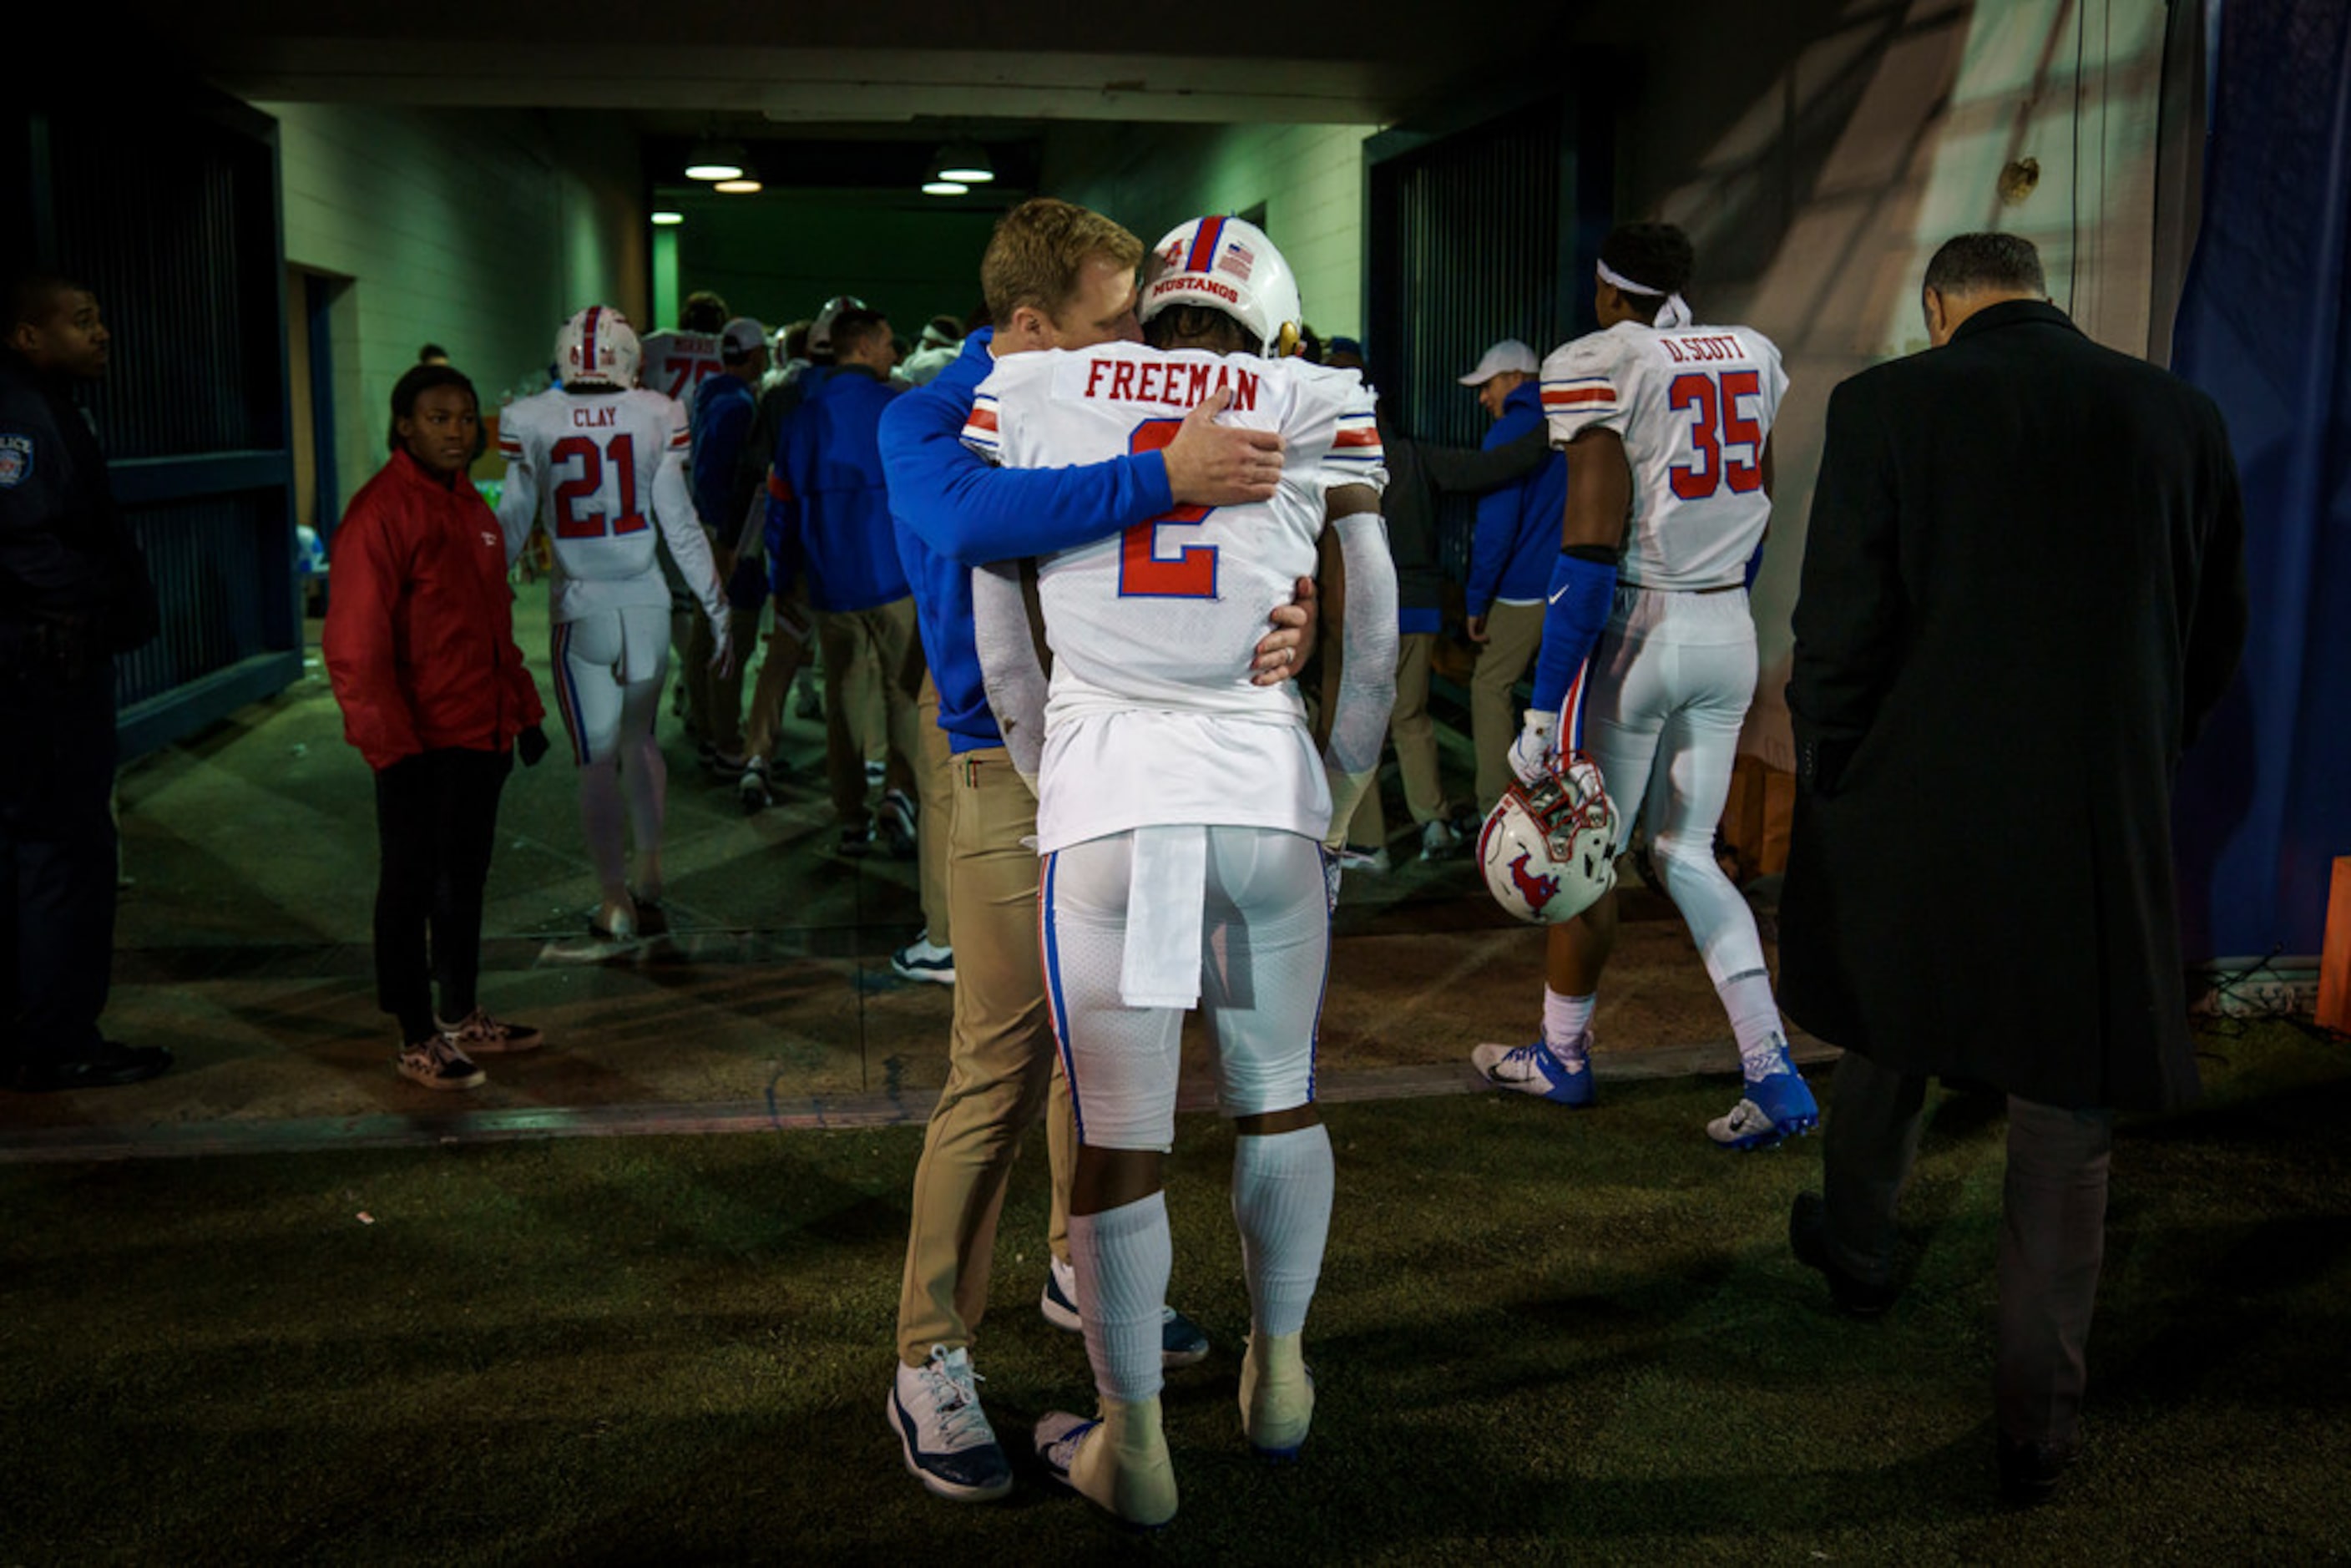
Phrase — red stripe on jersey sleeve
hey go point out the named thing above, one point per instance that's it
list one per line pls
(1571, 398)
(985, 419)
(1364, 435)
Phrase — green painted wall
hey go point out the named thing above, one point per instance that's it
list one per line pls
(479, 230)
(781, 254)
(1309, 179)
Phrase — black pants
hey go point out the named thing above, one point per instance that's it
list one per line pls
(2053, 1230)
(56, 864)
(436, 817)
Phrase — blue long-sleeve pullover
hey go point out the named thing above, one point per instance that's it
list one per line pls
(954, 511)
(1517, 538)
(830, 457)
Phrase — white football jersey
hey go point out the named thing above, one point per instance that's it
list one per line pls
(1694, 406)
(600, 471)
(677, 363)
(1150, 717)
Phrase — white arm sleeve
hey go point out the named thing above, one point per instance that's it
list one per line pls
(517, 506)
(1359, 721)
(688, 545)
(1008, 669)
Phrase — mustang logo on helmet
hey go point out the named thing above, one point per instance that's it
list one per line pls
(1536, 891)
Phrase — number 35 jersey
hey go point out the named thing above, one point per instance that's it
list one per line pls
(1694, 406)
(599, 470)
(1151, 711)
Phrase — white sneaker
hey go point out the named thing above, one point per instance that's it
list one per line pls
(923, 959)
(943, 1432)
(1439, 842)
(480, 1034)
(1354, 858)
(897, 819)
(753, 788)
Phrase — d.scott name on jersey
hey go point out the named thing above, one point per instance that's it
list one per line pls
(1687, 350)
(1179, 383)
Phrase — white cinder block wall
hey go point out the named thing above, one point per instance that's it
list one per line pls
(478, 230)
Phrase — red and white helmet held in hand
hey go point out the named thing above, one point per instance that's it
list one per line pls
(1227, 265)
(1549, 849)
(597, 348)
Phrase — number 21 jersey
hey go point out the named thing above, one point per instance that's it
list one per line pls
(601, 469)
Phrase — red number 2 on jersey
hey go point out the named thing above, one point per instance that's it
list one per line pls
(1717, 424)
(1143, 571)
(621, 451)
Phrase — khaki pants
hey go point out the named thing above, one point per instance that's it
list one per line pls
(1513, 633)
(1415, 734)
(788, 649)
(719, 698)
(868, 706)
(936, 775)
(1003, 1071)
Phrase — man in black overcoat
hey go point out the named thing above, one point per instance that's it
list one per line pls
(2022, 590)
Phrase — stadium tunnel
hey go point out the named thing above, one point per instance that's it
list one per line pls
(292, 199)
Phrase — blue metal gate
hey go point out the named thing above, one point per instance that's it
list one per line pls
(169, 211)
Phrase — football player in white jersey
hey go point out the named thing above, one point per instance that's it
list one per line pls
(1668, 428)
(607, 460)
(680, 359)
(1183, 814)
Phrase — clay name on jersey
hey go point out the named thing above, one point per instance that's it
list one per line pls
(1689, 350)
(595, 416)
(1176, 382)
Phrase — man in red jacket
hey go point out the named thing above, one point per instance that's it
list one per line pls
(420, 646)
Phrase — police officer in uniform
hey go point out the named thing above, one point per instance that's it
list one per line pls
(74, 592)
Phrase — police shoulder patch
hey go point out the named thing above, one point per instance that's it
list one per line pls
(16, 460)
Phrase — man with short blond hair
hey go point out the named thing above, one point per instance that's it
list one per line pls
(1056, 275)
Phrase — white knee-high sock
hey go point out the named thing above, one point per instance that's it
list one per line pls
(1755, 1020)
(1564, 1020)
(645, 773)
(602, 815)
(1282, 1184)
(1123, 1257)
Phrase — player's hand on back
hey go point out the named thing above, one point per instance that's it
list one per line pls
(1284, 651)
(1212, 465)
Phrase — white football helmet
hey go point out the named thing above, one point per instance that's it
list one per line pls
(1550, 848)
(600, 348)
(1227, 265)
(820, 332)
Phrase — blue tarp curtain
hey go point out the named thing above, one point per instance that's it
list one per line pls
(2264, 326)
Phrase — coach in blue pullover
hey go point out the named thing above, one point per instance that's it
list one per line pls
(723, 406)
(1511, 558)
(830, 461)
(1055, 275)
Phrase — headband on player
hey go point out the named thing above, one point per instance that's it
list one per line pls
(1676, 311)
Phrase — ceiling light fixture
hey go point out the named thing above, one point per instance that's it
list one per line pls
(964, 162)
(711, 159)
(945, 188)
(668, 220)
(739, 187)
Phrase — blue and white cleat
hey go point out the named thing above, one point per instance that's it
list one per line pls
(1277, 1396)
(1534, 1070)
(1777, 1106)
(1118, 1462)
(943, 1433)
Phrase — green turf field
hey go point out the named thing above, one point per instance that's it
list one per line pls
(1540, 1336)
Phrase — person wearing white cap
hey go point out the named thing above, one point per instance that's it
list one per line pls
(1510, 562)
(942, 343)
